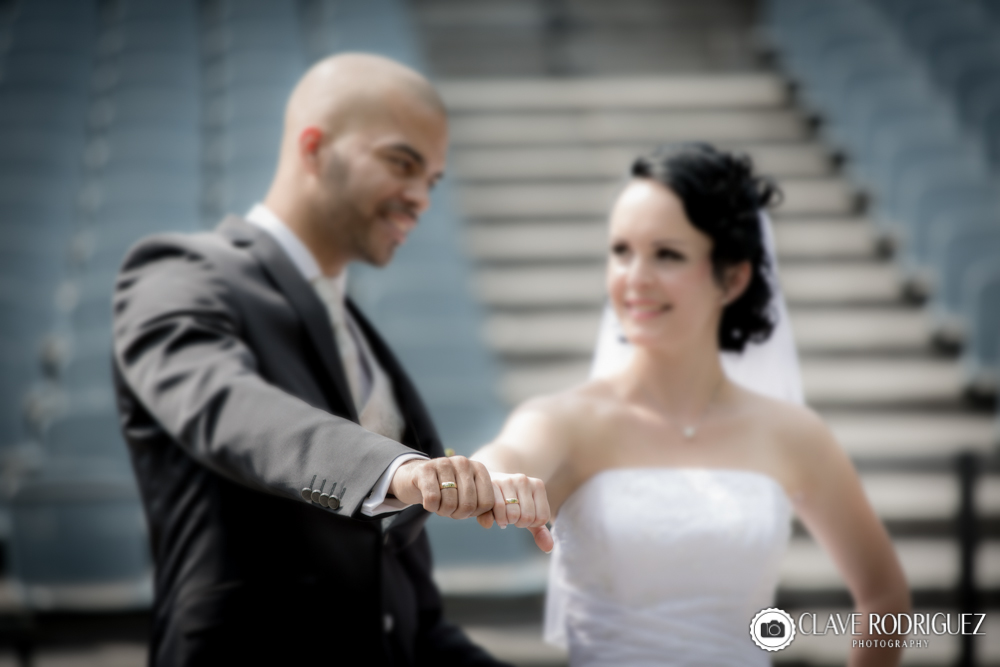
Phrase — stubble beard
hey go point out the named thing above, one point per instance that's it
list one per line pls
(351, 226)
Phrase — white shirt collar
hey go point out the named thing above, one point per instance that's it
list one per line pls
(263, 217)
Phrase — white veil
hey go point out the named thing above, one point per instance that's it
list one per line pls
(770, 367)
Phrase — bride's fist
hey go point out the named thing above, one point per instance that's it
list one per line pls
(521, 501)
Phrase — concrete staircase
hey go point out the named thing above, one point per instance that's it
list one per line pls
(539, 162)
(550, 100)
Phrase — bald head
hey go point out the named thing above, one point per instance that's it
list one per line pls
(364, 142)
(351, 88)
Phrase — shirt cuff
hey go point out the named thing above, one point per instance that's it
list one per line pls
(376, 502)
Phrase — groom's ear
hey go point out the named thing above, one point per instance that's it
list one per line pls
(735, 281)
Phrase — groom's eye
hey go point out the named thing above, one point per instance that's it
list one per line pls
(402, 164)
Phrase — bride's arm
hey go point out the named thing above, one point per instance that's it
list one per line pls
(533, 441)
(530, 451)
(833, 507)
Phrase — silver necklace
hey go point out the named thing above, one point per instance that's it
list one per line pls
(689, 431)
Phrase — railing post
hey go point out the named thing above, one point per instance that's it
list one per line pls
(968, 539)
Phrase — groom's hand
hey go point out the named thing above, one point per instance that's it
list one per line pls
(418, 482)
(531, 510)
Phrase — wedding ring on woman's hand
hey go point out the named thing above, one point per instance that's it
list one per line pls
(448, 485)
(511, 501)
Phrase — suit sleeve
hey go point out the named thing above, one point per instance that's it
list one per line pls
(178, 347)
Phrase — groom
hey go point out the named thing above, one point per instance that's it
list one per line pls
(286, 463)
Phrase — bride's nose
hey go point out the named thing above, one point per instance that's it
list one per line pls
(638, 272)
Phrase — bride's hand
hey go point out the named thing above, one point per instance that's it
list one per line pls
(531, 509)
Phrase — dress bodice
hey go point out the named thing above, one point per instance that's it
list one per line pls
(656, 566)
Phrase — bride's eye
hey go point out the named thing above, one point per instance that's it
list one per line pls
(619, 249)
(669, 254)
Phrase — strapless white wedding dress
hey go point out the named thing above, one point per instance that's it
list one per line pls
(666, 566)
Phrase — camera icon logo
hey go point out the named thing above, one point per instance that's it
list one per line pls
(772, 629)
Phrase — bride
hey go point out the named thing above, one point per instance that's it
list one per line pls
(672, 486)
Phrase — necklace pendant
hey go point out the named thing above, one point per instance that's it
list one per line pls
(689, 432)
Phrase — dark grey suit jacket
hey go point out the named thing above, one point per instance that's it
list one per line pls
(233, 399)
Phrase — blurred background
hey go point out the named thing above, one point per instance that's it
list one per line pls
(880, 119)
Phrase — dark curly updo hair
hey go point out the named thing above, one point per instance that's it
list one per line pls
(722, 197)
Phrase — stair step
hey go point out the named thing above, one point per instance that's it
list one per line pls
(829, 382)
(675, 92)
(601, 127)
(928, 564)
(686, 17)
(836, 283)
(798, 159)
(583, 285)
(550, 40)
(817, 239)
(865, 330)
(519, 645)
(557, 286)
(513, 201)
(533, 200)
(587, 240)
(538, 241)
(543, 333)
(523, 577)
(842, 330)
(886, 434)
(519, 382)
(909, 496)
(887, 381)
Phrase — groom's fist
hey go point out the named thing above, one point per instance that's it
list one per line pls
(469, 492)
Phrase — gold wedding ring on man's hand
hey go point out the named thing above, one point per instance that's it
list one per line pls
(448, 485)
(511, 501)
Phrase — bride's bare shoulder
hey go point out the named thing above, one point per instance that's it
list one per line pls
(798, 432)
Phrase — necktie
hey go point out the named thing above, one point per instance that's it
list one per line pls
(350, 355)
(371, 388)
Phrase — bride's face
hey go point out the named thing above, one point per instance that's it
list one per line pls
(660, 276)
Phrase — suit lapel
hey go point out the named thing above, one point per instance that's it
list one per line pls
(302, 297)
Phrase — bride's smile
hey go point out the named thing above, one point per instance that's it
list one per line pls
(640, 309)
